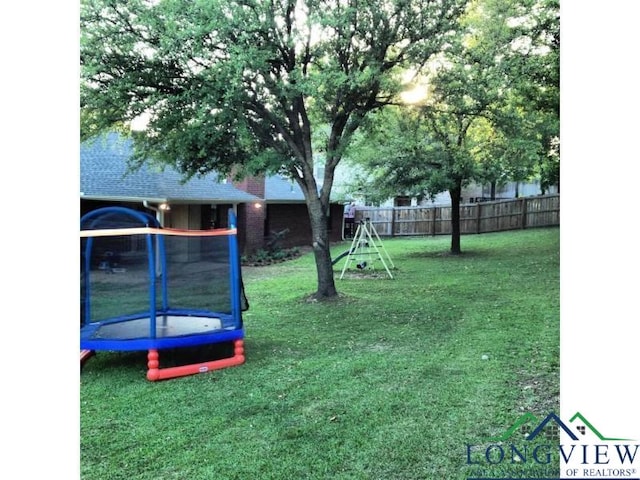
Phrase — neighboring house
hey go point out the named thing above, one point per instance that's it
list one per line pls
(475, 193)
(514, 190)
(344, 187)
(263, 207)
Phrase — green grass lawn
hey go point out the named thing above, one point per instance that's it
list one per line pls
(390, 381)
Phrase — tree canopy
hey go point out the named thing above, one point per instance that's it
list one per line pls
(482, 118)
(242, 85)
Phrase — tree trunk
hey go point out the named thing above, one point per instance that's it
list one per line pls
(455, 193)
(321, 249)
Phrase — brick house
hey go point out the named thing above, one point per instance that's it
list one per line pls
(262, 205)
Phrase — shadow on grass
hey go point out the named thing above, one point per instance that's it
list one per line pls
(117, 361)
(134, 361)
(447, 254)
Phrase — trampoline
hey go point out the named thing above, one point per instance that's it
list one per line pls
(144, 287)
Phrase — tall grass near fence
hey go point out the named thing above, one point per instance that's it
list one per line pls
(389, 381)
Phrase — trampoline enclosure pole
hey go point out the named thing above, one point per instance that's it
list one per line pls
(152, 286)
(234, 270)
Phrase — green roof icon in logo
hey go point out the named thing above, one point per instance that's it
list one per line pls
(519, 423)
(530, 419)
(579, 416)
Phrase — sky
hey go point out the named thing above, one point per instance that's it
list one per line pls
(600, 259)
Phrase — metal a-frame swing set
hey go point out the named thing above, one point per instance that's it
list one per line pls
(366, 248)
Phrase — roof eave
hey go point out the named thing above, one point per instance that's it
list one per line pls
(119, 198)
(176, 201)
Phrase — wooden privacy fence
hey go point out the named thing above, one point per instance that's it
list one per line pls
(482, 217)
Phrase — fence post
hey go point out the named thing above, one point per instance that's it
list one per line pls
(478, 205)
(524, 212)
(433, 222)
(393, 221)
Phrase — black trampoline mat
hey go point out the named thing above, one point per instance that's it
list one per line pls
(167, 326)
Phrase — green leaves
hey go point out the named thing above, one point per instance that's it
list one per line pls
(278, 65)
(488, 116)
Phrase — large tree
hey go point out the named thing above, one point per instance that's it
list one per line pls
(480, 118)
(240, 85)
(430, 146)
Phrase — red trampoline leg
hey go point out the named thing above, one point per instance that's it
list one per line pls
(153, 364)
(156, 373)
(85, 355)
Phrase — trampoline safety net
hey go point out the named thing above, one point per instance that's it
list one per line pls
(131, 268)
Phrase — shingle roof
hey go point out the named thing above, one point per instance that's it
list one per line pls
(103, 175)
(278, 189)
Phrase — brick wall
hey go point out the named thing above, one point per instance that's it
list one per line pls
(295, 217)
(252, 185)
(251, 216)
(255, 224)
(251, 227)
